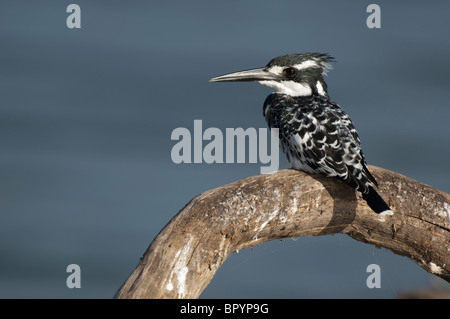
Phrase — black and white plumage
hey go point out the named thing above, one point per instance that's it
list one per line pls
(316, 135)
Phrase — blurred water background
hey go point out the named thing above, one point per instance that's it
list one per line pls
(86, 117)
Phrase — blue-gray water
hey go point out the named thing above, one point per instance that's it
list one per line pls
(86, 117)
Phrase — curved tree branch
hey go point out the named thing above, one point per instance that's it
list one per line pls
(186, 254)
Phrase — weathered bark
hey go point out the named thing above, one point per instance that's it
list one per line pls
(186, 254)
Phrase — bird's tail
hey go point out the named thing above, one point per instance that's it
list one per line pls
(377, 203)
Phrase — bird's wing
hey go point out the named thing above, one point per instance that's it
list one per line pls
(351, 145)
(336, 147)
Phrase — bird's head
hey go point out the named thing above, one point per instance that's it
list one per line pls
(293, 74)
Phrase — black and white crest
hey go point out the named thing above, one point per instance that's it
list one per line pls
(316, 135)
(300, 74)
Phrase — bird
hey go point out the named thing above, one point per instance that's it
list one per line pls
(315, 133)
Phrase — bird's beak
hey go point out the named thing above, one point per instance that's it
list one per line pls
(261, 74)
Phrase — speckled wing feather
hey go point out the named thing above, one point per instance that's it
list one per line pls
(317, 136)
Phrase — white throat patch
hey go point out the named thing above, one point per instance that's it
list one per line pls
(289, 87)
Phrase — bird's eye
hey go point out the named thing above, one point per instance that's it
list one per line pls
(290, 72)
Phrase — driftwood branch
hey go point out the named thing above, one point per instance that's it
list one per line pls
(186, 254)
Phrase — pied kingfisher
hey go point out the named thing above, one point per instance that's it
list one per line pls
(316, 135)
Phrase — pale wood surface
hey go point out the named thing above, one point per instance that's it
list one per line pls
(186, 254)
